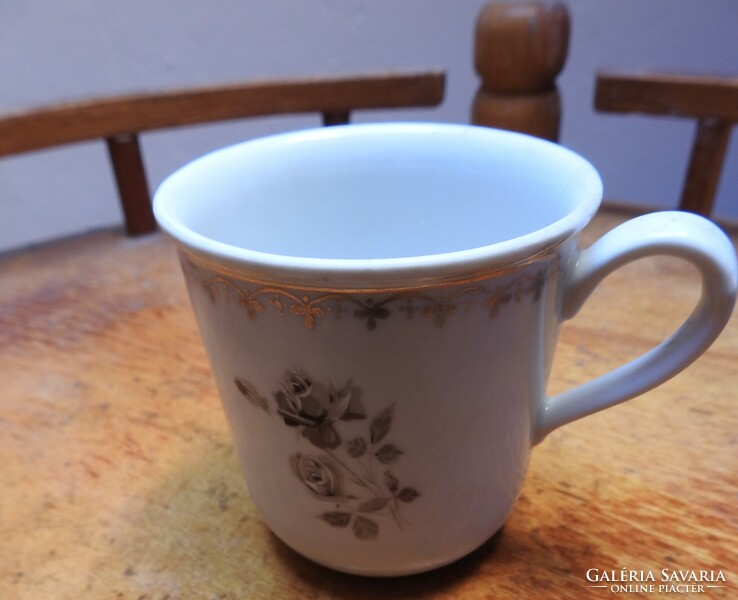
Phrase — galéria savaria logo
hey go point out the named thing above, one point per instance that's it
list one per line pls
(663, 581)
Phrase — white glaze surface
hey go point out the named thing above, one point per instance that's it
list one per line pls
(293, 208)
(380, 305)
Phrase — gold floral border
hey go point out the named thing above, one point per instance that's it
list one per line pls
(242, 273)
(312, 309)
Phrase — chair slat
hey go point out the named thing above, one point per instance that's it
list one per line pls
(712, 101)
(119, 120)
(57, 125)
(133, 189)
(691, 96)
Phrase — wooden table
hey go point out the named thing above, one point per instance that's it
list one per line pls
(119, 481)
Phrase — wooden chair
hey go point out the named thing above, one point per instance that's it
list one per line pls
(119, 120)
(520, 48)
(711, 101)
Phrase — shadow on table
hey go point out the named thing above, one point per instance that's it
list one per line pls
(355, 587)
(197, 532)
(199, 535)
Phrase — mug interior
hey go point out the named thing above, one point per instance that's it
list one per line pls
(378, 192)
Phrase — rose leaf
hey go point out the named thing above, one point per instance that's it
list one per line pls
(365, 529)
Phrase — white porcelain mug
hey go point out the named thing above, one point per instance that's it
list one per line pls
(380, 305)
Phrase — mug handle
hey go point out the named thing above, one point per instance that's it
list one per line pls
(674, 233)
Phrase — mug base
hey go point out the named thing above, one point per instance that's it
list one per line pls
(464, 559)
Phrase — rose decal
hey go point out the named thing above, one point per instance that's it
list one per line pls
(352, 474)
(321, 476)
(314, 408)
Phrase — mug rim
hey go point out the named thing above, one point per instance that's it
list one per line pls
(375, 274)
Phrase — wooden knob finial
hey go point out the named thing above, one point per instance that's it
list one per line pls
(519, 50)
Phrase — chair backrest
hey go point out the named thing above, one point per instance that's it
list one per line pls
(119, 120)
(711, 101)
(520, 47)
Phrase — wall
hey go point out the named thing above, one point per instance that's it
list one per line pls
(54, 51)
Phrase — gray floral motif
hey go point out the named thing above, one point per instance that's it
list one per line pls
(315, 408)
(321, 476)
(249, 392)
(353, 475)
(371, 311)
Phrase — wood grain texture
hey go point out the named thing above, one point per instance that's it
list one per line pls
(537, 114)
(120, 119)
(711, 100)
(133, 188)
(521, 47)
(119, 479)
(519, 50)
(691, 96)
(705, 165)
(102, 118)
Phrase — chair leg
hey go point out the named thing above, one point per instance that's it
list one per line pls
(130, 176)
(339, 117)
(705, 164)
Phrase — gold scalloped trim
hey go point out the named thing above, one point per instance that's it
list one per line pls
(251, 276)
(312, 308)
